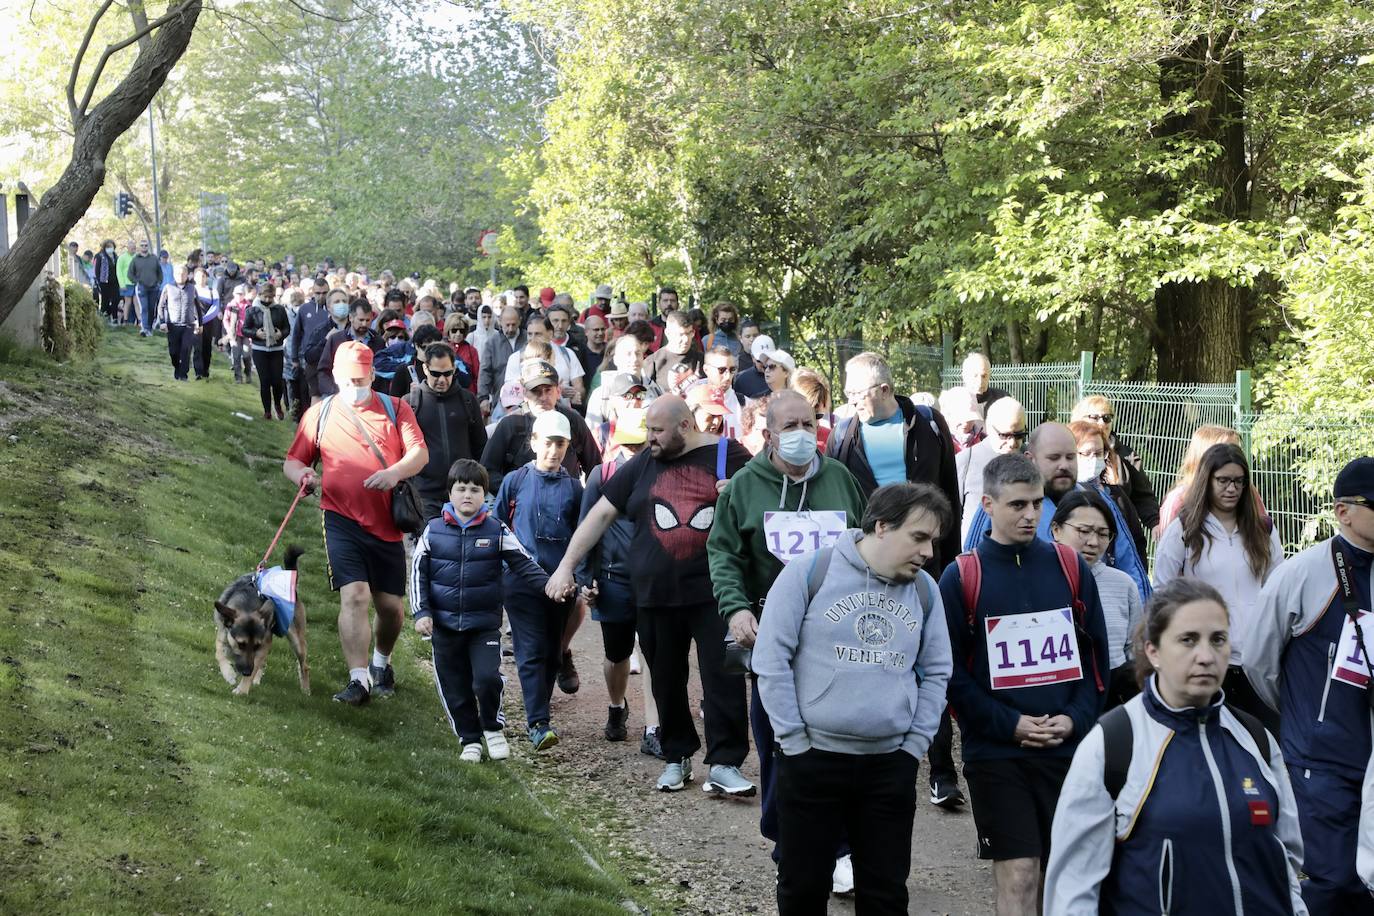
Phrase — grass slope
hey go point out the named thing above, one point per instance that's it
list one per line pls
(130, 779)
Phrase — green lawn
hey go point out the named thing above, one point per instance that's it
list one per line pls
(130, 779)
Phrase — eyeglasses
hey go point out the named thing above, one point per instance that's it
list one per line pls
(1226, 483)
(857, 395)
(1086, 531)
(1106, 418)
(1016, 435)
(721, 369)
(435, 373)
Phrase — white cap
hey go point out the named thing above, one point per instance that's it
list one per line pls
(762, 346)
(782, 358)
(551, 425)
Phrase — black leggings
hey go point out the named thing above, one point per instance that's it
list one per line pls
(109, 300)
(271, 386)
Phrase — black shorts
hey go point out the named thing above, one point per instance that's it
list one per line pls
(618, 638)
(357, 556)
(1013, 804)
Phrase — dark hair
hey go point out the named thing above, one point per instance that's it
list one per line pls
(1085, 499)
(894, 503)
(559, 307)
(536, 318)
(1005, 470)
(425, 335)
(359, 305)
(394, 295)
(465, 470)
(439, 350)
(386, 317)
(518, 288)
(679, 319)
(724, 305)
(721, 350)
(642, 330)
(696, 316)
(667, 289)
(747, 323)
(1159, 613)
(1252, 526)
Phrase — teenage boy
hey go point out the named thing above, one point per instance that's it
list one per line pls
(455, 596)
(540, 501)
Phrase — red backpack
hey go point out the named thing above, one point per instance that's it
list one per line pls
(971, 582)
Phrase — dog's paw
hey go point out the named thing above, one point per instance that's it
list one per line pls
(244, 686)
(229, 676)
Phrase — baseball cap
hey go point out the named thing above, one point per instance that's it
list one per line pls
(619, 309)
(630, 427)
(603, 292)
(703, 397)
(782, 358)
(536, 372)
(1356, 479)
(352, 360)
(512, 395)
(395, 323)
(622, 383)
(762, 346)
(546, 295)
(551, 425)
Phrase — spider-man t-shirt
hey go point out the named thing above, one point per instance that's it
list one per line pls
(672, 504)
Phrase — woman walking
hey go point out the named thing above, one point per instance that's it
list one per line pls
(266, 327)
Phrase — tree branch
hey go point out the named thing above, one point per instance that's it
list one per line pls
(115, 48)
(79, 114)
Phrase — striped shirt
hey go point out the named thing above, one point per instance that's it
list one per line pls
(1121, 608)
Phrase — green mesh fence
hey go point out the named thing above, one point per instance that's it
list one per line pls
(1048, 392)
(914, 367)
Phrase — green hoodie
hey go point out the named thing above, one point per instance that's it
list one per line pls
(742, 569)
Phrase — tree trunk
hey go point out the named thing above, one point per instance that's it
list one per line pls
(1202, 326)
(68, 199)
(1018, 355)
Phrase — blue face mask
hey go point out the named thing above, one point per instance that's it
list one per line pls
(797, 447)
(339, 310)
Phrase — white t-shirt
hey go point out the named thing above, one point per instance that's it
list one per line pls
(569, 366)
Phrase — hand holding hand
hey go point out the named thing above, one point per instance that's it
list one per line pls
(560, 585)
(1033, 731)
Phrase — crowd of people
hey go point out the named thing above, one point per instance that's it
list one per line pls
(856, 575)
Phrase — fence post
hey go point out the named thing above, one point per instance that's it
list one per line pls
(1244, 409)
(1085, 373)
(947, 351)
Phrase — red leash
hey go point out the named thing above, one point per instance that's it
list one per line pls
(273, 546)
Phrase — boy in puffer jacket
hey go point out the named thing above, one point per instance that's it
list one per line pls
(540, 501)
(456, 595)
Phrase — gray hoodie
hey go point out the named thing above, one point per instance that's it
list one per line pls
(862, 667)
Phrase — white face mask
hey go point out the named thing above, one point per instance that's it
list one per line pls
(797, 447)
(354, 395)
(110, 250)
(1090, 469)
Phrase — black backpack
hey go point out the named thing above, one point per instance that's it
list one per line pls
(1118, 744)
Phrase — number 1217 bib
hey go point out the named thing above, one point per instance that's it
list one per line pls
(1029, 650)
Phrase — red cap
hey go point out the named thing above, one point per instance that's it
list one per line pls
(702, 396)
(395, 323)
(352, 360)
(546, 295)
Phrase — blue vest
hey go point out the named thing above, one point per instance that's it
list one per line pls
(465, 573)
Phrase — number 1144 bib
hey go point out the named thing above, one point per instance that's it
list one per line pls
(1029, 650)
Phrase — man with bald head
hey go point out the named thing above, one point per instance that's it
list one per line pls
(1006, 433)
(976, 372)
(669, 490)
(496, 353)
(788, 489)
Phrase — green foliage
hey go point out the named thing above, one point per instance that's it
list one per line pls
(85, 327)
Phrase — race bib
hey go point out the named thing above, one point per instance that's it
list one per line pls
(1351, 666)
(1028, 650)
(790, 535)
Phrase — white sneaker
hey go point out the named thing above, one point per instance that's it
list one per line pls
(634, 662)
(472, 753)
(497, 748)
(842, 878)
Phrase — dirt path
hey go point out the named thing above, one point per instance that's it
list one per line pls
(711, 848)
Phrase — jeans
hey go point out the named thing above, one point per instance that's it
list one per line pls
(536, 625)
(941, 753)
(147, 297)
(239, 357)
(467, 670)
(666, 635)
(822, 795)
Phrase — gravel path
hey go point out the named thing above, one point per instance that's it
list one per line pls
(709, 848)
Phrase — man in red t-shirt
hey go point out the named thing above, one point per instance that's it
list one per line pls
(367, 563)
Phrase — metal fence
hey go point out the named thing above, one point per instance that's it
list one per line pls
(914, 367)
(1048, 391)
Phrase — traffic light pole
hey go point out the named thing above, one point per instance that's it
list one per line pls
(152, 150)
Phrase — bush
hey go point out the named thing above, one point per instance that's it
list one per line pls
(84, 324)
(56, 341)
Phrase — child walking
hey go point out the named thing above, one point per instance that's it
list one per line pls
(456, 596)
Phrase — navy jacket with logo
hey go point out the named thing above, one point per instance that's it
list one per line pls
(456, 570)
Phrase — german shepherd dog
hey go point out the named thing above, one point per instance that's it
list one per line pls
(244, 619)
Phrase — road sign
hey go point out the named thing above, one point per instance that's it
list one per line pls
(486, 242)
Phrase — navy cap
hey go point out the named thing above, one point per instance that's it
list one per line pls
(1356, 479)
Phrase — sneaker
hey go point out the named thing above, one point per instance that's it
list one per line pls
(497, 748)
(543, 737)
(945, 793)
(568, 681)
(383, 681)
(842, 878)
(472, 753)
(725, 780)
(616, 717)
(675, 776)
(355, 694)
(634, 663)
(649, 744)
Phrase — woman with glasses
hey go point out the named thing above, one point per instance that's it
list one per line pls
(456, 336)
(777, 371)
(1083, 521)
(1091, 441)
(1123, 464)
(1222, 538)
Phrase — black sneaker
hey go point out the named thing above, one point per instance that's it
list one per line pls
(355, 694)
(383, 681)
(945, 793)
(568, 681)
(616, 717)
(649, 745)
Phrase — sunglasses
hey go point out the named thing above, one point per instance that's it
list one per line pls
(1106, 418)
(435, 373)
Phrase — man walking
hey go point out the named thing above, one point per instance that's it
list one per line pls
(451, 423)
(367, 564)
(496, 354)
(312, 326)
(670, 491)
(146, 275)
